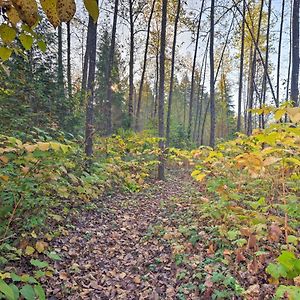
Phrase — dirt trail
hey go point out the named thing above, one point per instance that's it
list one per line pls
(108, 252)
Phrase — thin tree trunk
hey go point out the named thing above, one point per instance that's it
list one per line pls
(108, 104)
(200, 92)
(266, 69)
(60, 75)
(239, 119)
(156, 84)
(290, 54)
(279, 51)
(204, 121)
(212, 76)
(253, 72)
(172, 74)
(69, 76)
(138, 111)
(193, 73)
(295, 55)
(89, 128)
(161, 129)
(202, 95)
(131, 64)
(85, 70)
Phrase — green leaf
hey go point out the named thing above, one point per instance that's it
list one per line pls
(287, 259)
(26, 40)
(276, 271)
(28, 292)
(39, 263)
(7, 33)
(42, 45)
(7, 290)
(292, 240)
(15, 290)
(5, 53)
(39, 291)
(54, 256)
(232, 234)
(92, 8)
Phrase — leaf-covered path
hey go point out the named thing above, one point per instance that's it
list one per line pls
(113, 249)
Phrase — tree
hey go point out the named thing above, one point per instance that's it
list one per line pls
(89, 127)
(239, 116)
(295, 54)
(193, 73)
(161, 129)
(108, 102)
(172, 74)
(69, 75)
(212, 76)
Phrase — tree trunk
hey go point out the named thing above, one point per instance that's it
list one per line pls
(161, 129)
(69, 76)
(172, 74)
(212, 76)
(85, 70)
(239, 117)
(253, 72)
(279, 51)
(89, 127)
(138, 111)
(295, 55)
(108, 103)
(131, 64)
(193, 73)
(266, 69)
(200, 94)
(60, 75)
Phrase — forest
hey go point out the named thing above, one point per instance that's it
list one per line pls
(149, 149)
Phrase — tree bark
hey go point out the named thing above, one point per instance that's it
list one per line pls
(139, 101)
(108, 103)
(239, 117)
(60, 75)
(253, 72)
(161, 129)
(131, 64)
(212, 76)
(172, 74)
(69, 76)
(295, 55)
(89, 127)
(279, 51)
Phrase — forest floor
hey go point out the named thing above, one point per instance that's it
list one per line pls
(145, 245)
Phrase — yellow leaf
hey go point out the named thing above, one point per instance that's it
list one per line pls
(4, 177)
(4, 159)
(55, 146)
(92, 8)
(200, 177)
(40, 246)
(49, 7)
(270, 160)
(30, 148)
(294, 114)
(66, 10)
(5, 276)
(27, 10)
(279, 113)
(29, 250)
(7, 33)
(43, 146)
(13, 15)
